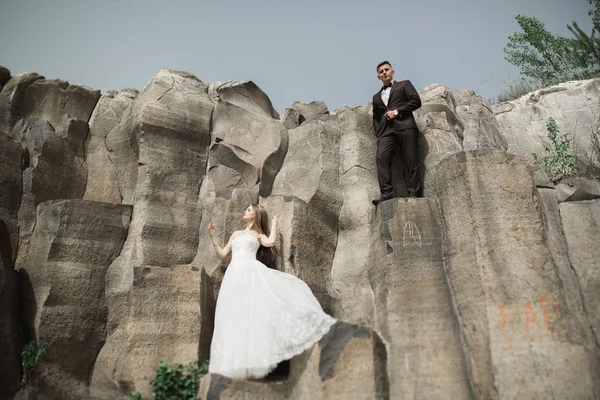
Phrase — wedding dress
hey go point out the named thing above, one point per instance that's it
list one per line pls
(263, 316)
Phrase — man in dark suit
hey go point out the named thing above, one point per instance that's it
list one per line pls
(395, 127)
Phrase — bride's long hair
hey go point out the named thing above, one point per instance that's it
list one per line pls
(266, 255)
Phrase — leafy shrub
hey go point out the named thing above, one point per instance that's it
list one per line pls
(175, 381)
(558, 161)
(31, 355)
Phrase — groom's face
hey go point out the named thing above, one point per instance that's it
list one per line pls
(385, 73)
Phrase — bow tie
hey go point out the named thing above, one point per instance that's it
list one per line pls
(389, 85)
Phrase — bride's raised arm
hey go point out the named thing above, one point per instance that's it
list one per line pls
(269, 241)
(221, 252)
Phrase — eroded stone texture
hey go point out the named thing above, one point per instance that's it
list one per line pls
(104, 169)
(481, 128)
(11, 159)
(581, 224)
(358, 186)
(171, 117)
(307, 243)
(310, 111)
(250, 142)
(10, 197)
(523, 121)
(73, 244)
(58, 102)
(517, 327)
(348, 363)
(441, 132)
(10, 333)
(577, 189)
(292, 118)
(162, 323)
(245, 95)
(53, 168)
(414, 310)
(11, 98)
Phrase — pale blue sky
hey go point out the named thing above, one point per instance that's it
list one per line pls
(294, 50)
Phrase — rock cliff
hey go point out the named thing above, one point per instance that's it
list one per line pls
(486, 288)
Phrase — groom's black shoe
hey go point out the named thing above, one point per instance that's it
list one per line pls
(379, 200)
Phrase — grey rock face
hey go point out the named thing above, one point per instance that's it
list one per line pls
(171, 120)
(250, 142)
(414, 310)
(308, 239)
(481, 128)
(11, 159)
(310, 177)
(110, 157)
(577, 189)
(358, 186)
(310, 111)
(54, 168)
(522, 122)
(441, 130)
(292, 118)
(513, 314)
(318, 373)
(10, 333)
(161, 323)
(245, 95)
(74, 241)
(11, 98)
(581, 224)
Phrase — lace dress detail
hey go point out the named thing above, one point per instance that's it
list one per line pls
(263, 316)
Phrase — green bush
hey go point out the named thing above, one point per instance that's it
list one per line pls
(31, 355)
(558, 161)
(176, 381)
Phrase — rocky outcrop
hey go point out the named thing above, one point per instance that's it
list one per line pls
(581, 224)
(358, 186)
(486, 288)
(413, 303)
(481, 128)
(171, 119)
(73, 244)
(111, 159)
(10, 332)
(573, 105)
(512, 311)
(441, 134)
(321, 372)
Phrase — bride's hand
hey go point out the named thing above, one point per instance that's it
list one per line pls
(211, 228)
(274, 223)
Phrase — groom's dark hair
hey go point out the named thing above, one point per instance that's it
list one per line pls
(383, 63)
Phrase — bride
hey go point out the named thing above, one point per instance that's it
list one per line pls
(263, 316)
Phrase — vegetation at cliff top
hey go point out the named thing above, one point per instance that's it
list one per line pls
(545, 58)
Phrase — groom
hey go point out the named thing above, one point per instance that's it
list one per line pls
(395, 128)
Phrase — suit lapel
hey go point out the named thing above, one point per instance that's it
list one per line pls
(394, 87)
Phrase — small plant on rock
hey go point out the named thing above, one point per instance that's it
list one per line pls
(558, 161)
(176, 381)
(31, 355)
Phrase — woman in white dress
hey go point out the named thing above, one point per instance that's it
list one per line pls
(263, 315)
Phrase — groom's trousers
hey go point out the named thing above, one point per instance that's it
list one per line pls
(387, 143)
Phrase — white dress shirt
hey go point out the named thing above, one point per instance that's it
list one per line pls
(385, 93)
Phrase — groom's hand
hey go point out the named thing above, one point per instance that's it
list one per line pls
(391, 114)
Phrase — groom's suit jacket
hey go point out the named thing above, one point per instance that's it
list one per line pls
(404, 98)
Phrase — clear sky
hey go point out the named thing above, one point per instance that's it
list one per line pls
(295, 50)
